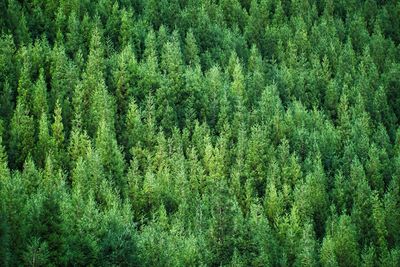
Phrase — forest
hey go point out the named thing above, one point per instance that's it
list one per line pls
(199, 133)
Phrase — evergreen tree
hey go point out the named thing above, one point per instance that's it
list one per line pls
(134, 127)
(21, 135)
(125, 81)
(5, 238)
(191, 49)
(127, 28)
(44, 145)
(58, 136)
(340, 246)
(110, 154)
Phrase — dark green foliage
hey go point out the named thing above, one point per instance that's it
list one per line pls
(199, 133)
(22, 133)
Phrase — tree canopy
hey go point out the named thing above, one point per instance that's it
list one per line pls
(199, 133)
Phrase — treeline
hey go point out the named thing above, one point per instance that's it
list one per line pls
(192, 133)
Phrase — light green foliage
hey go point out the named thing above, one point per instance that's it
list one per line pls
(110, 154)
(44, 144)
(58, 135)
(191, 49)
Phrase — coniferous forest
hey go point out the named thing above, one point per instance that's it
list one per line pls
(200, 133)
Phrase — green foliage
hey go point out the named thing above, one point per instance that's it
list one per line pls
(21, 135)
(36, 254)
(199, 133)
(340, 246)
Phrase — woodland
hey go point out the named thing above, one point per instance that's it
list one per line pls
(200, 133)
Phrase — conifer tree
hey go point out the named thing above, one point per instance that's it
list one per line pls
(134, 127)
(39, 96)
(44, 145)
(110, 154)
(58, 135)
(344, 243)
(127, 28)
(5, 237)
(21, 135)
(125, 76)
(149, 69)
(191, 49)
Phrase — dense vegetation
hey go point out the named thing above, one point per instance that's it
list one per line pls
(185, 133)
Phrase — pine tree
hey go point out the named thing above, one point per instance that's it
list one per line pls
(134, 127)
(125, 76)
(37, 253)
(50, 228)
(74, 38)
(170, 91)
(362, 201)
(44, 145)
(255, 76)
(4, 171)
(213, 91)
(8, 75)
(22, 31)
(21, 135)
(64, 79)
(95, 96)
(24, 81)
(79, 145)
(127, 28)
(378, 215)
(191, 49)
(149, 69)
(328, 257)
(312, 197)
(344, 238)
(308, 253)
(39, 96)
(58, 137)
(5, 237)
(110, 154)
(113, 24)
(221, 227)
